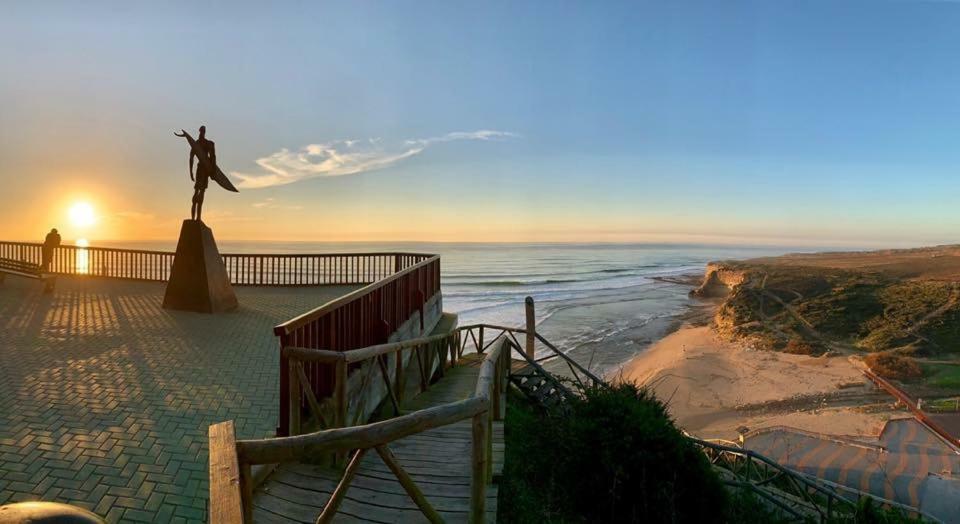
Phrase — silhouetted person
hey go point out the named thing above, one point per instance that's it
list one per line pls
(51, 242)
(204, 172)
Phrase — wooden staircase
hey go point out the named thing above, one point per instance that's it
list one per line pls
(540, 386)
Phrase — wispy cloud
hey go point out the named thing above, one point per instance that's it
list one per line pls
(271, 203)
(347, 157)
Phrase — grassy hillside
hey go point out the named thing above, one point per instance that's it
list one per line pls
(903, 304)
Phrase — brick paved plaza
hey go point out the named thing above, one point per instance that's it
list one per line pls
(105, 397)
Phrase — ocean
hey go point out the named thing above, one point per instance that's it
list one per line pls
(601, 303)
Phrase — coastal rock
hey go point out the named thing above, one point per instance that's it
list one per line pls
(720, 280)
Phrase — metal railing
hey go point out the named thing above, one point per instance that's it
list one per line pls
(270, 269)
(315, 269)
(797, 495)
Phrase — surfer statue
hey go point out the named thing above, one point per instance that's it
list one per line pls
(198, 278)
(205, 153)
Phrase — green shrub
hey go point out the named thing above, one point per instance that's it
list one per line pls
(616, 456)
(869, 513)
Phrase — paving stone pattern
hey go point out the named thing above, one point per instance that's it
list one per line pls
(105, 397)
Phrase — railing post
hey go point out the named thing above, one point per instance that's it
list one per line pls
(246, 491)
(226, 479)
(503, 377)
(294, 395)
(478, 478)
(531, 326)
(341, 399)
(283, 429)
(341, 393)
(398, 381)
(480, 343)
(495, 387)
(488, 471)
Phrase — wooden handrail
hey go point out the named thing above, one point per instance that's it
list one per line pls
(483, 406)
(557, 353)
(572, 362)
(402, 303)
(288, 449)
(291, 325)
(359, 355)
(313, 355)
(487, 370)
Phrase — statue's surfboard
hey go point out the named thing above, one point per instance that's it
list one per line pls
(216, 174)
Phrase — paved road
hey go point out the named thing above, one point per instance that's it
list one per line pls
(903, 471)
(105, 397)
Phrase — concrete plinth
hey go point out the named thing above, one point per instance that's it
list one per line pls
(198, 280)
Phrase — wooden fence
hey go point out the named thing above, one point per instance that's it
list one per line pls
(231, 461)
(243, 269)
(360, 319)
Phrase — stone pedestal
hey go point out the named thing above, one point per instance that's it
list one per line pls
(198, 280)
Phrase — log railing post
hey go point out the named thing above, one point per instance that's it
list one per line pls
(488, 450)
(505, 380)
(531, 326)
(246, 491)
(294, 395)
(226, 500)
(283, 429)
(495, 386)
(500, 384)
(398, 380)
(341, 400)
(478, 478)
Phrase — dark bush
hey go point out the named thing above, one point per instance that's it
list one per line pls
(798, 346)
(616, 456)
(894, 366)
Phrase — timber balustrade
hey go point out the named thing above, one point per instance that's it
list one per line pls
(315, 381)
(366, 317)
(243, 269)
(548, 352)
(231, 460)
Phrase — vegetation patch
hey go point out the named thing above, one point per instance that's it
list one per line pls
(616, 456)
(894, 366)
(946, 376)
(780, 306)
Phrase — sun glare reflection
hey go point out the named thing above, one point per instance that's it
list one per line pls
(83, 262)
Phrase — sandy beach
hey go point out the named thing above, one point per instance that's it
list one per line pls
(715, 387)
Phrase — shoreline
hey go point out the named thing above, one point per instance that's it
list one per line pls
(718, 388)
(621, 327)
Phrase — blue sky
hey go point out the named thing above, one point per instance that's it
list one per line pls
(772, 121)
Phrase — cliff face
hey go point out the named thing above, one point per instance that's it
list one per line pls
(812, 304)
(720, 280)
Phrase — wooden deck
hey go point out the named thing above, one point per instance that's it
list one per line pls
(438, 460)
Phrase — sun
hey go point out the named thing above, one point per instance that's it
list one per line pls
(82, 215)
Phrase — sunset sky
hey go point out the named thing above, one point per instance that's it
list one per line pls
(834, 122)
